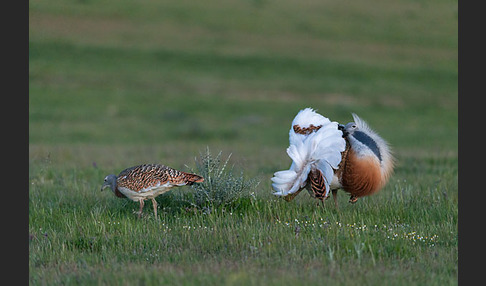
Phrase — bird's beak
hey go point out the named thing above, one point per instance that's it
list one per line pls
(105, 185)
(341, 127)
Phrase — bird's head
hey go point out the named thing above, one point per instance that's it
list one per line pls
(348, 129)
(110, 181)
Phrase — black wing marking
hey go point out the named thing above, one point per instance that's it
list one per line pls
(368, 141)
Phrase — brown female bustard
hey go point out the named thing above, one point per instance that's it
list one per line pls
(148, 181)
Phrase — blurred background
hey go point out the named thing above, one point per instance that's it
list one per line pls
(118, 83)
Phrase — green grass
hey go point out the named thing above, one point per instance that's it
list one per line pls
(112, 86)
(407, 234)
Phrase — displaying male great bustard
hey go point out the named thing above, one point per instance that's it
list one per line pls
(327, 156)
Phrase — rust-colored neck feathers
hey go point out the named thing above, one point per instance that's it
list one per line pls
(361, 176)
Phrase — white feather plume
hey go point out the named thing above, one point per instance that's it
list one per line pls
(308, 116)
(318, 150)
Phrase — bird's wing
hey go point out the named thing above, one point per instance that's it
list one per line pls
(326, 155)
(158, 187)
(147, 177)
(307, 117)
(305, 123)
(320, 149)
(292, 180)
(328, 144)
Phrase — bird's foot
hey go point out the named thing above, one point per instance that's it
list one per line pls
(320, 202)
(353, 199)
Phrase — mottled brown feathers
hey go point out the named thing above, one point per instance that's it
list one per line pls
(339, 171)
(317, 184)
(305, 130)
(139, 177)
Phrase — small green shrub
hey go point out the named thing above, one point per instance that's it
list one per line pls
(223, 186)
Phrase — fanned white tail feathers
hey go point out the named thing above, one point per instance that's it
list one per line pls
(308, 116)
(320, 150)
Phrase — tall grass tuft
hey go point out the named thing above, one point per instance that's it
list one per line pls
(223, 185)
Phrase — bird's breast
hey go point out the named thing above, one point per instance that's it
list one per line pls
(361, 174)
(119, 194)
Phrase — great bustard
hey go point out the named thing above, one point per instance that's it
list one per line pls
(330, 156)
(148, 181)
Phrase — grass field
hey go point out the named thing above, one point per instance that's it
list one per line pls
(115, 85)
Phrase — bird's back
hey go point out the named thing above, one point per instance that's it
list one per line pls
(145, 176)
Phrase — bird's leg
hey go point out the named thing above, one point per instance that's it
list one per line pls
(353, 199)
(141, 207)
(154, 204)
(334, 196)
(320, 202)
